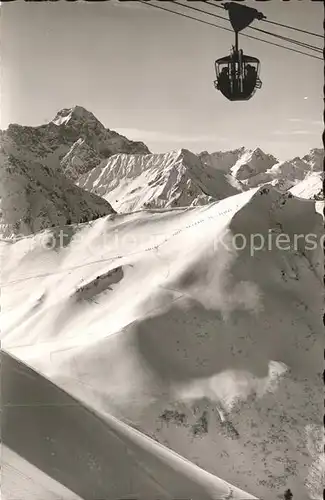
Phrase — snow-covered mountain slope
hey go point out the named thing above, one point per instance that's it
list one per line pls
(165, 319)
(20, 479)
(132, 182)
(222, 160)
(34, 197)
(80, 159)
(252, 163)
(74, 136)
(242, 163)
(315, 159)
(75, 143)
(283, 174)
(310, 187)
(254, 168)
(110, 459)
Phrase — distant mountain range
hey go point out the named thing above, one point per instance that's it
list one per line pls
(73, 169)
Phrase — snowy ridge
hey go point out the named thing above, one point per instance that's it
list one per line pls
(252, 163)
(193, 354)
(315, 159)
(242, 163)
(75, 143)
(111, 459)
(175, 179)
(311, 187)
(33, 197)
(154, 317)
(284, 174)
(222, 160)
(253, 168)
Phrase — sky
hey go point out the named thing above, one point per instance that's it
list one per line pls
(149, 74)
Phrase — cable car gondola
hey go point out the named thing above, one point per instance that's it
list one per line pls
(238, 74)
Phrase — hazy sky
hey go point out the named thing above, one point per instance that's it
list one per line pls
(149, 74)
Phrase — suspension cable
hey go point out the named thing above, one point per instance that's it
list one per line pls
(281, 37)
(274, 22)
(228, 29)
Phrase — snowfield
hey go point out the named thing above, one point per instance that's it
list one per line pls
(161, 324)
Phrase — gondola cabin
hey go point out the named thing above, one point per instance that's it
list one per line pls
(237, 76)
